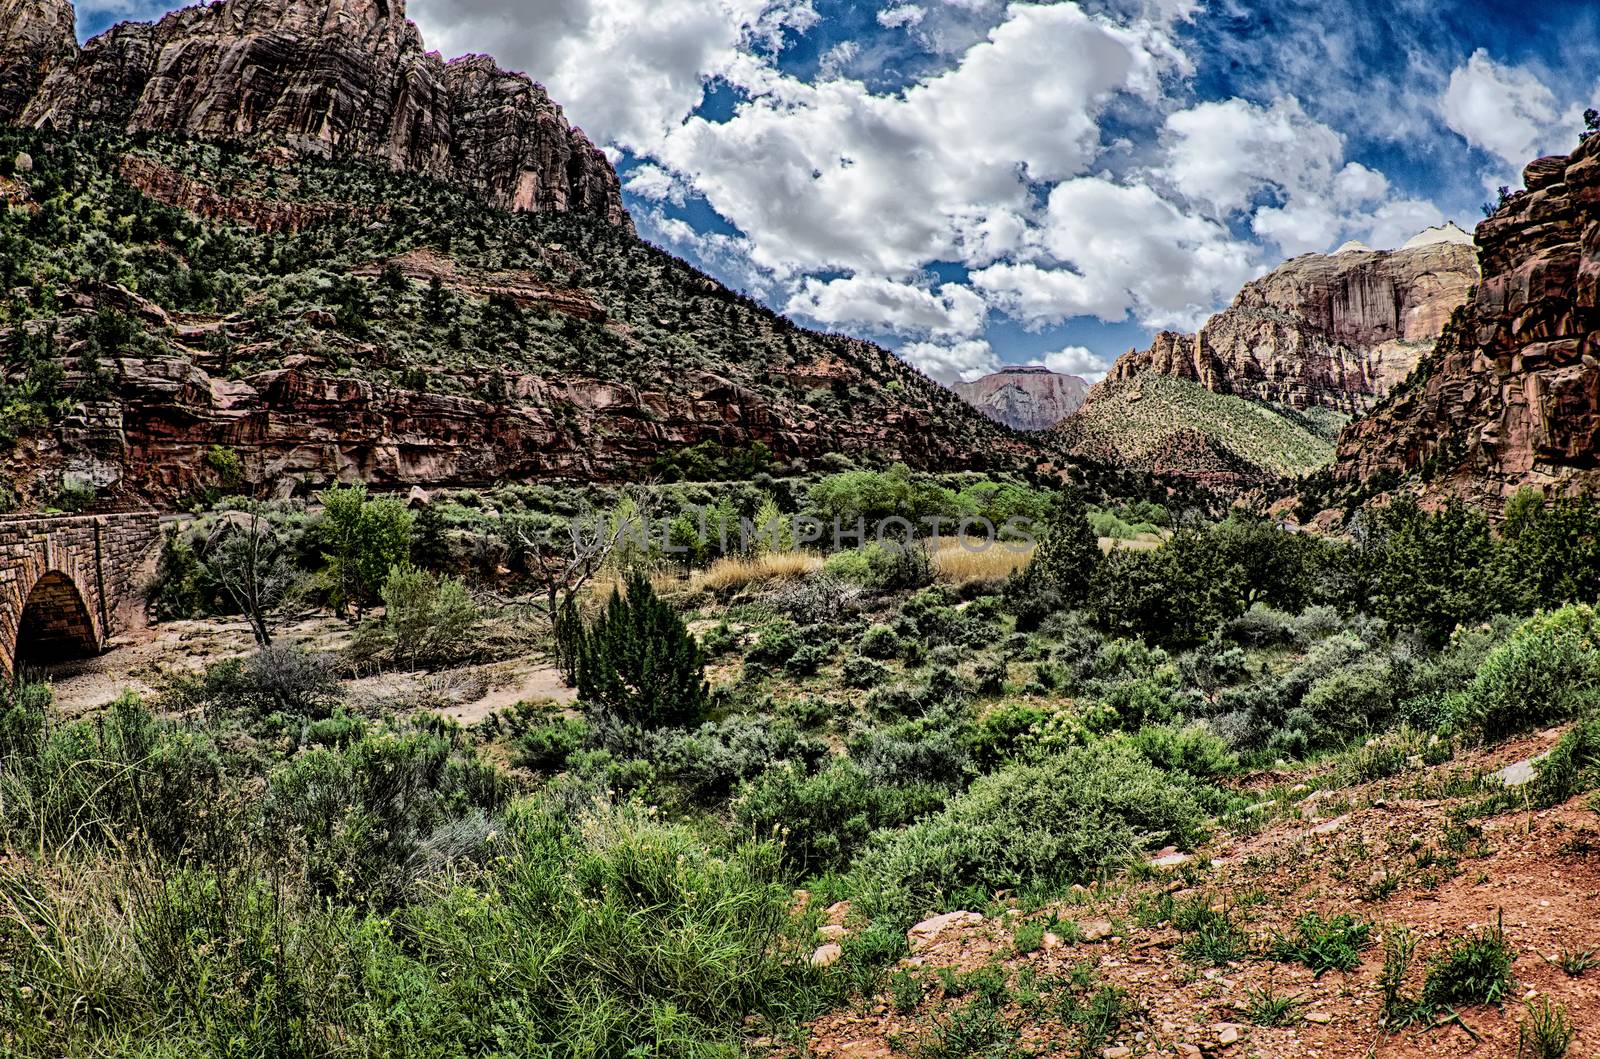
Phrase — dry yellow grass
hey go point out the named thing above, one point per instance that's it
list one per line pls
(1144, 542)
(963, 566)
(736, 572)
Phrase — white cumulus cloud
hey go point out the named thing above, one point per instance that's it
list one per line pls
(1505, 110)
(947, 362)
(885, 305)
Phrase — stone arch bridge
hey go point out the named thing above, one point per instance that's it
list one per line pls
(68, 583)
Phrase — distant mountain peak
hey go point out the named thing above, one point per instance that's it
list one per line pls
(1447, 232)
(1025, 396)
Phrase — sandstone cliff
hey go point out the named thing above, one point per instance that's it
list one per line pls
(35, 36)
(336, 79)
(1511, 397)
(1335, 330)
(1025, 398)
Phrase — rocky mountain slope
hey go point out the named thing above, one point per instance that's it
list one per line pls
(1511, 396)
(335, 79)
(1338, 330)
(1025, 397)
(37, 37)
(185, 315)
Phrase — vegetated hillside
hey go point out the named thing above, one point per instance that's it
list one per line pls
(1511, 396)
(188, 314)
(1180, 429)
(1240, 792)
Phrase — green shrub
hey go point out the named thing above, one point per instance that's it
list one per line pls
(880, 641)
(821, 820)
(640, 663)
(546, 747)
(1571, 767)
(1432, 571)
(775, 646)
(894, 568)
(287, 677)
(380, 814)
(22, 720)
(850, 566)
(862, 673)
(1351, 700)
(1034, 827)
(1193, 749)
(1547, 671)
(430, 620)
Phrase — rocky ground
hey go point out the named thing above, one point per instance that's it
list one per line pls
(1406, 853)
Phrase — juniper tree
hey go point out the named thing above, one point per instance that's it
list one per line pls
(640, 663)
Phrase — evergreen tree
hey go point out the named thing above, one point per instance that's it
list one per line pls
(1063, 565)
(640, 663)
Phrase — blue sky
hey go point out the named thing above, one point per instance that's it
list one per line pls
(974, 182)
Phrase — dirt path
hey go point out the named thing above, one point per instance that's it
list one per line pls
(144, 660)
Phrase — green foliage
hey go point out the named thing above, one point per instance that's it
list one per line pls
(1062, 568)
(1547, 1031)
(361, 540)
(1332, 944)
(820, 820)
(431, 620)
(1178, 594)
(1547, 671)
(383, 812)
(1571, 767)
(1474, 970)
(1552, 549)
(124, 776)
(710, 461)
(1192, 749)
(1434, 571)
(1266, 1007)
(1211, 937)
(1400, 1007)
(640, 663)
(548, 746)
(1033, 827)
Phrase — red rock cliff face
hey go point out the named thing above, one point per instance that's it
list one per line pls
(345, 79)
(35, 35)
(1338, 330)
(1511, 398)
(1025, 398)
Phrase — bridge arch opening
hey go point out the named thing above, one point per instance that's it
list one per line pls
(55, 625)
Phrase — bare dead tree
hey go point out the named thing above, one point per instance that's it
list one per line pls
(251, 562)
